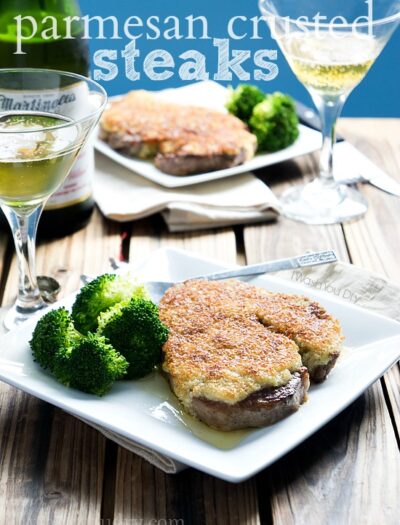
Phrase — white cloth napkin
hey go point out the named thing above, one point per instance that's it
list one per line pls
(124, 196)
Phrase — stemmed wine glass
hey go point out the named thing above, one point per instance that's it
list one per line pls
(330, 46)
(46, 118)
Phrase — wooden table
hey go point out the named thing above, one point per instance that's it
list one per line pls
(57, 470)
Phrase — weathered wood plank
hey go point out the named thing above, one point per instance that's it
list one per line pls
(150, 235)
(374, 242)
(143, 492)
(51, 463)
(316, 483)
(190, 496)
(285, 237)
(347, 473)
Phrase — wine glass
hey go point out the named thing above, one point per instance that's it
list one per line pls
(46, 117)
(330, 46)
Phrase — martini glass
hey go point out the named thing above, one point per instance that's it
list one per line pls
(330, 46)
(46, 118)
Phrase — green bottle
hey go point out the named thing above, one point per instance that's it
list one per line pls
(69, 209)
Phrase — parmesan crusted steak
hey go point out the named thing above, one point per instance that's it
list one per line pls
(240, 356)
(183, 140)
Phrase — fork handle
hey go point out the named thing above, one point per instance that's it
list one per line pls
(309, 259)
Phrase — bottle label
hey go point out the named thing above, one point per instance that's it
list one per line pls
(68, 101)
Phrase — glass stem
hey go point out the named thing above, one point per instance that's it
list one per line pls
(329, 110)
(24, 227)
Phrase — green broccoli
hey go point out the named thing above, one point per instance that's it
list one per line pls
(54, 331)
(88, 363)
(243, 99)
(135, 330)
(92, 365)
(275, 123)
(100, 294)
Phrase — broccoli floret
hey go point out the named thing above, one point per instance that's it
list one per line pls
(100, 294)
(92, 365)
(243, 99)
(135, 330)
(275, 122)
(88, 363)
(54, 331)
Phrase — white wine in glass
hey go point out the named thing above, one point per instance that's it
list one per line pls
(40, 138)
(330, 46)
(33, 165)
(329, 63)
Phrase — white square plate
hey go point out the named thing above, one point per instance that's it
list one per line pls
(134, 411)
(212, 95)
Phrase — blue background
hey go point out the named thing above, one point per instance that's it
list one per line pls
(378, 95)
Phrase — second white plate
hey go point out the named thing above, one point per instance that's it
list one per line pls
(213, 95)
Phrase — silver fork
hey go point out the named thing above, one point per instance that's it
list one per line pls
(158, 288)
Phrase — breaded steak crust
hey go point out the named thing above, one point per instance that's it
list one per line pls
(229, 360)
(182, 139)
(229, 340)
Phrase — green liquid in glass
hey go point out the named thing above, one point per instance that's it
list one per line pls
(35, 158)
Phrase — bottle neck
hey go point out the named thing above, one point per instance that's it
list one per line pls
(48, 41)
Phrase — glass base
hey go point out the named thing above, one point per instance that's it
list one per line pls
(16, 316)
(322, 203)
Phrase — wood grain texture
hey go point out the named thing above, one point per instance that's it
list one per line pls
(289, 238)
(285, 237)
(51, 463)
(188, 497)
(148, 236)
(374, 242)
(144, 492)
(346, 474)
